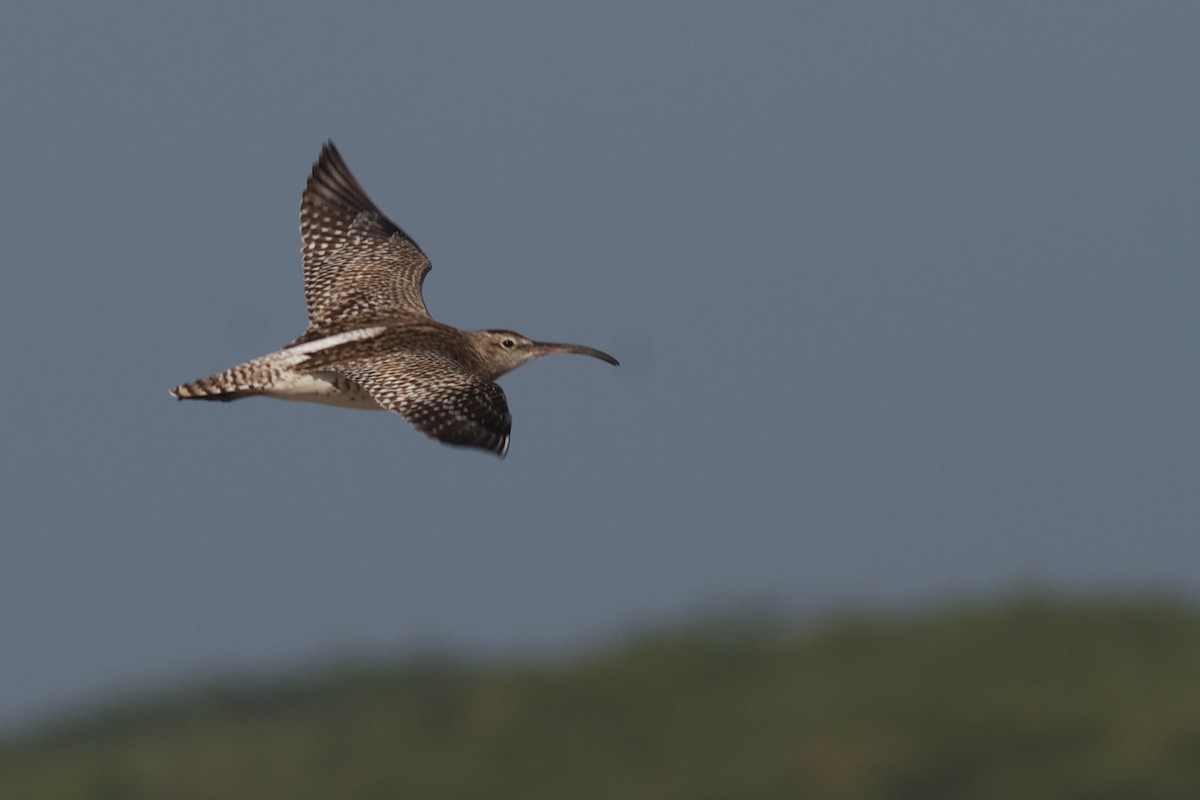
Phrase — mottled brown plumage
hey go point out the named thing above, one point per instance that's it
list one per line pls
(370, 342)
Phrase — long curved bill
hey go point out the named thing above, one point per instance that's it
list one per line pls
(545, 348)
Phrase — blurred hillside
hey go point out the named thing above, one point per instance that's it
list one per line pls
(1031, 699)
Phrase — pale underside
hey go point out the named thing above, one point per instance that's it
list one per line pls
(326, 388)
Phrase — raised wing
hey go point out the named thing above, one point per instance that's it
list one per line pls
(440, 397)
(359, 267)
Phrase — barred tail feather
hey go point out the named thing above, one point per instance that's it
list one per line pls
(244, 380)
(204, 390)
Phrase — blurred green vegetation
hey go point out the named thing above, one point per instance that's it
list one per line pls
(1032, 699)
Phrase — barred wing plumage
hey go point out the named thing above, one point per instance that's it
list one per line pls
(359, 266)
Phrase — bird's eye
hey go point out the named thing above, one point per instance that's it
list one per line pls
(507, 344)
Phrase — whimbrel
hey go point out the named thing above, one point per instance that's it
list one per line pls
(370, 342)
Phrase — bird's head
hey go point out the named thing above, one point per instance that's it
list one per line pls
(502, 351)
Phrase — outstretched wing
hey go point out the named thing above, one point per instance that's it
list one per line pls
(359, 267)
(440, 397)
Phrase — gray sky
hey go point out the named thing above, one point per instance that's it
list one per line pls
(905, 300)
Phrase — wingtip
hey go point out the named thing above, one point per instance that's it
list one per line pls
(328, 157)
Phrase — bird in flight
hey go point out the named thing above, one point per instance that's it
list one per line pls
(370, 342)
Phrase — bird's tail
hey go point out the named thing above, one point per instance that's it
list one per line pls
(244, 380)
